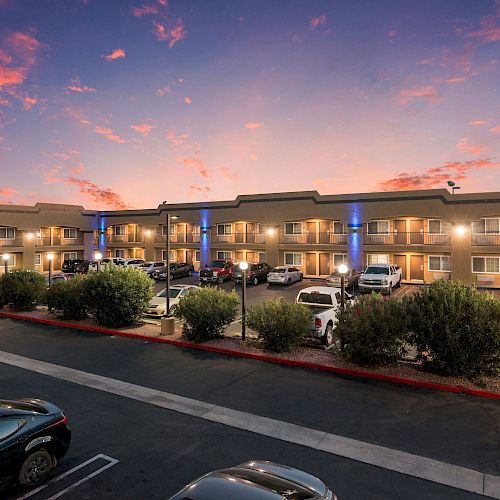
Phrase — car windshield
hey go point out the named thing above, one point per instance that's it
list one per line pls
(278, 270)
(174, 292)
(377, 270)
(315, 298)
(216, 263)
(146, 264)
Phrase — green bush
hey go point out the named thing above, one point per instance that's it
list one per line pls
(280, 326)
(458, 327)
(373, 330)
(117, 296)
(23, 289)
(68, 298)
(205, 312)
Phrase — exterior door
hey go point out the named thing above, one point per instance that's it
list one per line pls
(239, 256)
(189, 256)
(417, 231)
(311, 232)
(400, 261)
(251, 257)
(324, 233)
(417, 267)
(324, 264)
(251, 232)
(311, 264)
(238, 233)
(400, 229)
(181, 233)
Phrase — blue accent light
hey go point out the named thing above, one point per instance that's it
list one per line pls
(204, 237)
(354, 238)
(102, 235)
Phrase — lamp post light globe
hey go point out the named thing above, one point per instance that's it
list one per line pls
(270, 231)
(97, 258)
(342, 269)
(243, 267)
(6, 258)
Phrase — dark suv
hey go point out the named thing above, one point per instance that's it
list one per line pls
(34, 436)
(71, 265)
(257, 271)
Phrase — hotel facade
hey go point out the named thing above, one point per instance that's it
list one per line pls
(430, 234)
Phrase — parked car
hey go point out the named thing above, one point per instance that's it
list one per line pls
(151, 267)
(216, 271)
(257, 271)
(85, 266)
(380, 278)
(158, 304)
(351, 279)
(284, 275)
(113, 261)
(133, 262)
(256, 480)
(177, 270)
(71, 265)
(57, 278)
(34, 436)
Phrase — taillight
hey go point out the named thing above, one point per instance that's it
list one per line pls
(317, 322)
(63, 421)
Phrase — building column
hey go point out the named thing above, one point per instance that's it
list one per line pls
(88, 245)
(461, 254)
(149, 240)
(272, 247)
(29, 249)
(355, 248)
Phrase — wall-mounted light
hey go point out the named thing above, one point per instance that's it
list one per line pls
(270, 231)
(460, 230)
(148, 232)
(29, 236)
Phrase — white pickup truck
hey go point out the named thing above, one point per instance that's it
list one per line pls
(324, 302)
(380, 278)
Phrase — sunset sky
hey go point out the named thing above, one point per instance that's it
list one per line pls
(118, 103)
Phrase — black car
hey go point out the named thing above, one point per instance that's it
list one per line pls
(257, 271)
(83, 266)
(177, 270)
(256, 480)
(34, 436)
(71, 265)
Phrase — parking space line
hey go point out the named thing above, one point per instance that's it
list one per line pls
(368, 453)
(111, 462)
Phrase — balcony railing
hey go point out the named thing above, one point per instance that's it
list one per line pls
(485, 239)
(57, 241)
(178, 238)
(125, 238)
(314, 238)
(239, 238)
(407, 238)
(11, 242)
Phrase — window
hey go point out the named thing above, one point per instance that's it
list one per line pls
(293, 259)
(9, 426)
(223, 229)
(262, 256)
(224, 255)
(486, 226)
(119, 230)
(293, 228)
(377, 258)
(197, 256)
(440, 263)
(435, 226)
(378, 227)
(339, 258)
(7, 233)
(38, 259)
(70, 255)
(196, 230)
(69, 233)
(119, 252)
(172, 255)
(486, 265)
(164, 230)
(338, 227)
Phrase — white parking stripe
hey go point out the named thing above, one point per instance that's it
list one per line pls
(111, 461)
(387, 458)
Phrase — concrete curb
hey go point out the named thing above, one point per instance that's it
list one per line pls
(269, 359)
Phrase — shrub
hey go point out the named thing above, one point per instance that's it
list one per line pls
(205, 313)
(458, 327)
(68, 298)
(280, 326)
(373, 330)
(117, 296)
(23, 289)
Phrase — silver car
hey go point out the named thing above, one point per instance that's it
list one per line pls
(284, 275)
(256, 480)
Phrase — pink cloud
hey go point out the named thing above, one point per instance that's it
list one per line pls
(177, 140)
(75, 86)
(77, 170)
(7, 192)
(11, 76)
(197, 164)
(170, 35)
(4, 57)
(145, 10)
(455, 80)
(143, 129)
(435, 177)
(392, 33)
(115, 54)
(478, 122)
(24, 47)
(50, 176)
(428, 92)
(253, 157)
(495, 129)
(254, 125)
(29, 102)
(226, 173)
(102, 196)
(108, 133)
(102, 130)
(489, 31)
(463, 145)
(315, 22)
(163, 91)
(76, 115)
(194, 189)
(187, 100)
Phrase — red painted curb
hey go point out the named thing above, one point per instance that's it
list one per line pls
(269, 359)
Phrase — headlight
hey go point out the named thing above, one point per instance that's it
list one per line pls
(214, 274)
(385, 282)
(361, 280)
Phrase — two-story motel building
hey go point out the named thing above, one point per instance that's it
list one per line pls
(430, 234)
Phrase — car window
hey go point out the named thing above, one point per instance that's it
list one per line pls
(315, 298)
(9, 426)
(337, 296)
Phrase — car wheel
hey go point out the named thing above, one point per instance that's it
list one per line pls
(289, 282)
(327, 339)
(255, 281)
(220, 280)
(301, 277)
(36, 468)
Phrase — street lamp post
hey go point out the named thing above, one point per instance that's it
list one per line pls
(6, 258)
(342, 269)
(50, 258)
(243, 266)
(97, 258)
(167, 322)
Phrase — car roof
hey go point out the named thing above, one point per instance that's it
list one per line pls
(319, 289)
